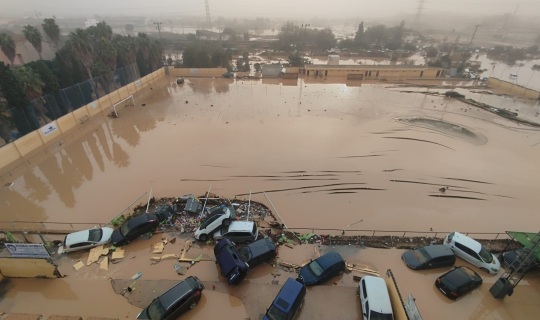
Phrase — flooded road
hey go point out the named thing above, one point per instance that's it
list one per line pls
(327, 155)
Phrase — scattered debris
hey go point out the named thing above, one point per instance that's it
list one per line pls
(77, 266)
(158, 247)
(95, 253)
(117, 255)
(179, 269)
(104, 264)
(136, 276)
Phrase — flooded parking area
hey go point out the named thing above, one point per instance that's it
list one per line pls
(326, 154)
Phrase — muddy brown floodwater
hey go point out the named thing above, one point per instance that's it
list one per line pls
(326, 154)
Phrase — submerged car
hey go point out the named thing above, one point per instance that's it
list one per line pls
(86, 239)
(323, 268)
(228, 75)
(177, 300)
(472, 251)
(288, 301)
(232, 267)
(238, 231)
(429, 257)
(258, 252)
(217, 216)
(133, 228)
(510, 257)
(457, 282)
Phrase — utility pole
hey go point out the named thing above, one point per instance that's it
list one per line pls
(469, 48)
(158, 26)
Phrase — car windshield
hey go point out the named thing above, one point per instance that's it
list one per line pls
(155, 310)
(245, 253)
(316, 268)
(95, 235)
(124, 229)
(421, 254)
(275, 314)
(380, 316)
(486, 256)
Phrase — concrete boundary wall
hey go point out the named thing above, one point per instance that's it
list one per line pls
(512, 88)
(27, 268)
(197, 72)
(40, 139)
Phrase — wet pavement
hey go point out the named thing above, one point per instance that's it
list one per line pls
(327, 155)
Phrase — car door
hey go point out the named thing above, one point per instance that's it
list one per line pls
(177, 309)
(466, 254)
(363, 299)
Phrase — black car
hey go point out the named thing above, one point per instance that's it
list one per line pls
(429, 257)
(231, 264)
(228, 75)
(323, 268)
(260, 251)
(133, 228)
(458, 282)
(177, 300)
(509, 258)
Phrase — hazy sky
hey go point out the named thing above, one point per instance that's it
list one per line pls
(268, 8)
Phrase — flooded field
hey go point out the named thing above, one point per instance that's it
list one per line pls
(327, 155)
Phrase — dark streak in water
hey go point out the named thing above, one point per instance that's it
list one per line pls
(371, 155)
(455, 197)
(293, 176)
(293, 172)
(392, 170)
(431, 184)
(467, 180)
(420, 140)
(343, 192)
(302, 188)
(337, 171)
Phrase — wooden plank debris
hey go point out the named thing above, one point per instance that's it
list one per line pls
(289, 265)
(158, 247)
(363, 269)
(117, 254)
(95, 253)
(104, 264)
(187, 245)
(77, 266)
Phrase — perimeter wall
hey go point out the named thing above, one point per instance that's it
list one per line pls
(40, 139)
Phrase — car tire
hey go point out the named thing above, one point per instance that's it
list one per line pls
(226, 222)
(193, 305)
(203, 237)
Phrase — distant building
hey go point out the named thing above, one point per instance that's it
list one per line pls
(271, 70)
(91, 23)
(211, 35)
(333, 60)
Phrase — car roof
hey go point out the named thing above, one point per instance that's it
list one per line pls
(459, 276)
(240, 226)
(142, 218)
(177, 292)
(262, 245)
(290, 290)
(329, 259)
(377, 293)
(438, 250)
(228, 258)
(467, 241)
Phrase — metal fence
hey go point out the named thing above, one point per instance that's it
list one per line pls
(16, 122)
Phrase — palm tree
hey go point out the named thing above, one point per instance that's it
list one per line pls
(5, 121)
(33, 36)
(31, 82)
(8, 47)
(83, 49)
(51, 30)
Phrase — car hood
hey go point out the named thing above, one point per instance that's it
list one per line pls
(107, 234)
(410, 259)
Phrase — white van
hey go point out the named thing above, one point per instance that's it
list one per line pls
(473, 252)
(375, 299)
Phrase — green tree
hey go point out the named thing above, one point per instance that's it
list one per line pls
(295, 60)
(30, 81)
(52, 30)
(83, 49)
(5, 120)
(359, 37)
(8, 47)
(101, 31)
(33, 36)
(15, 97)
(126, 49)
(325, 39)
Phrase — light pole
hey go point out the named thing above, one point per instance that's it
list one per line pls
(158, 26)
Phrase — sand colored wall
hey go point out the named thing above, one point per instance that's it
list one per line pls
(37, 139)
(28, 143)
(512, 88)
(27, 268)
(373, 73)
(197, 72)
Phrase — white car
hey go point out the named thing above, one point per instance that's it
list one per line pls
(218, 216)
(86, 239)
(238, 231)
(473, 252)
